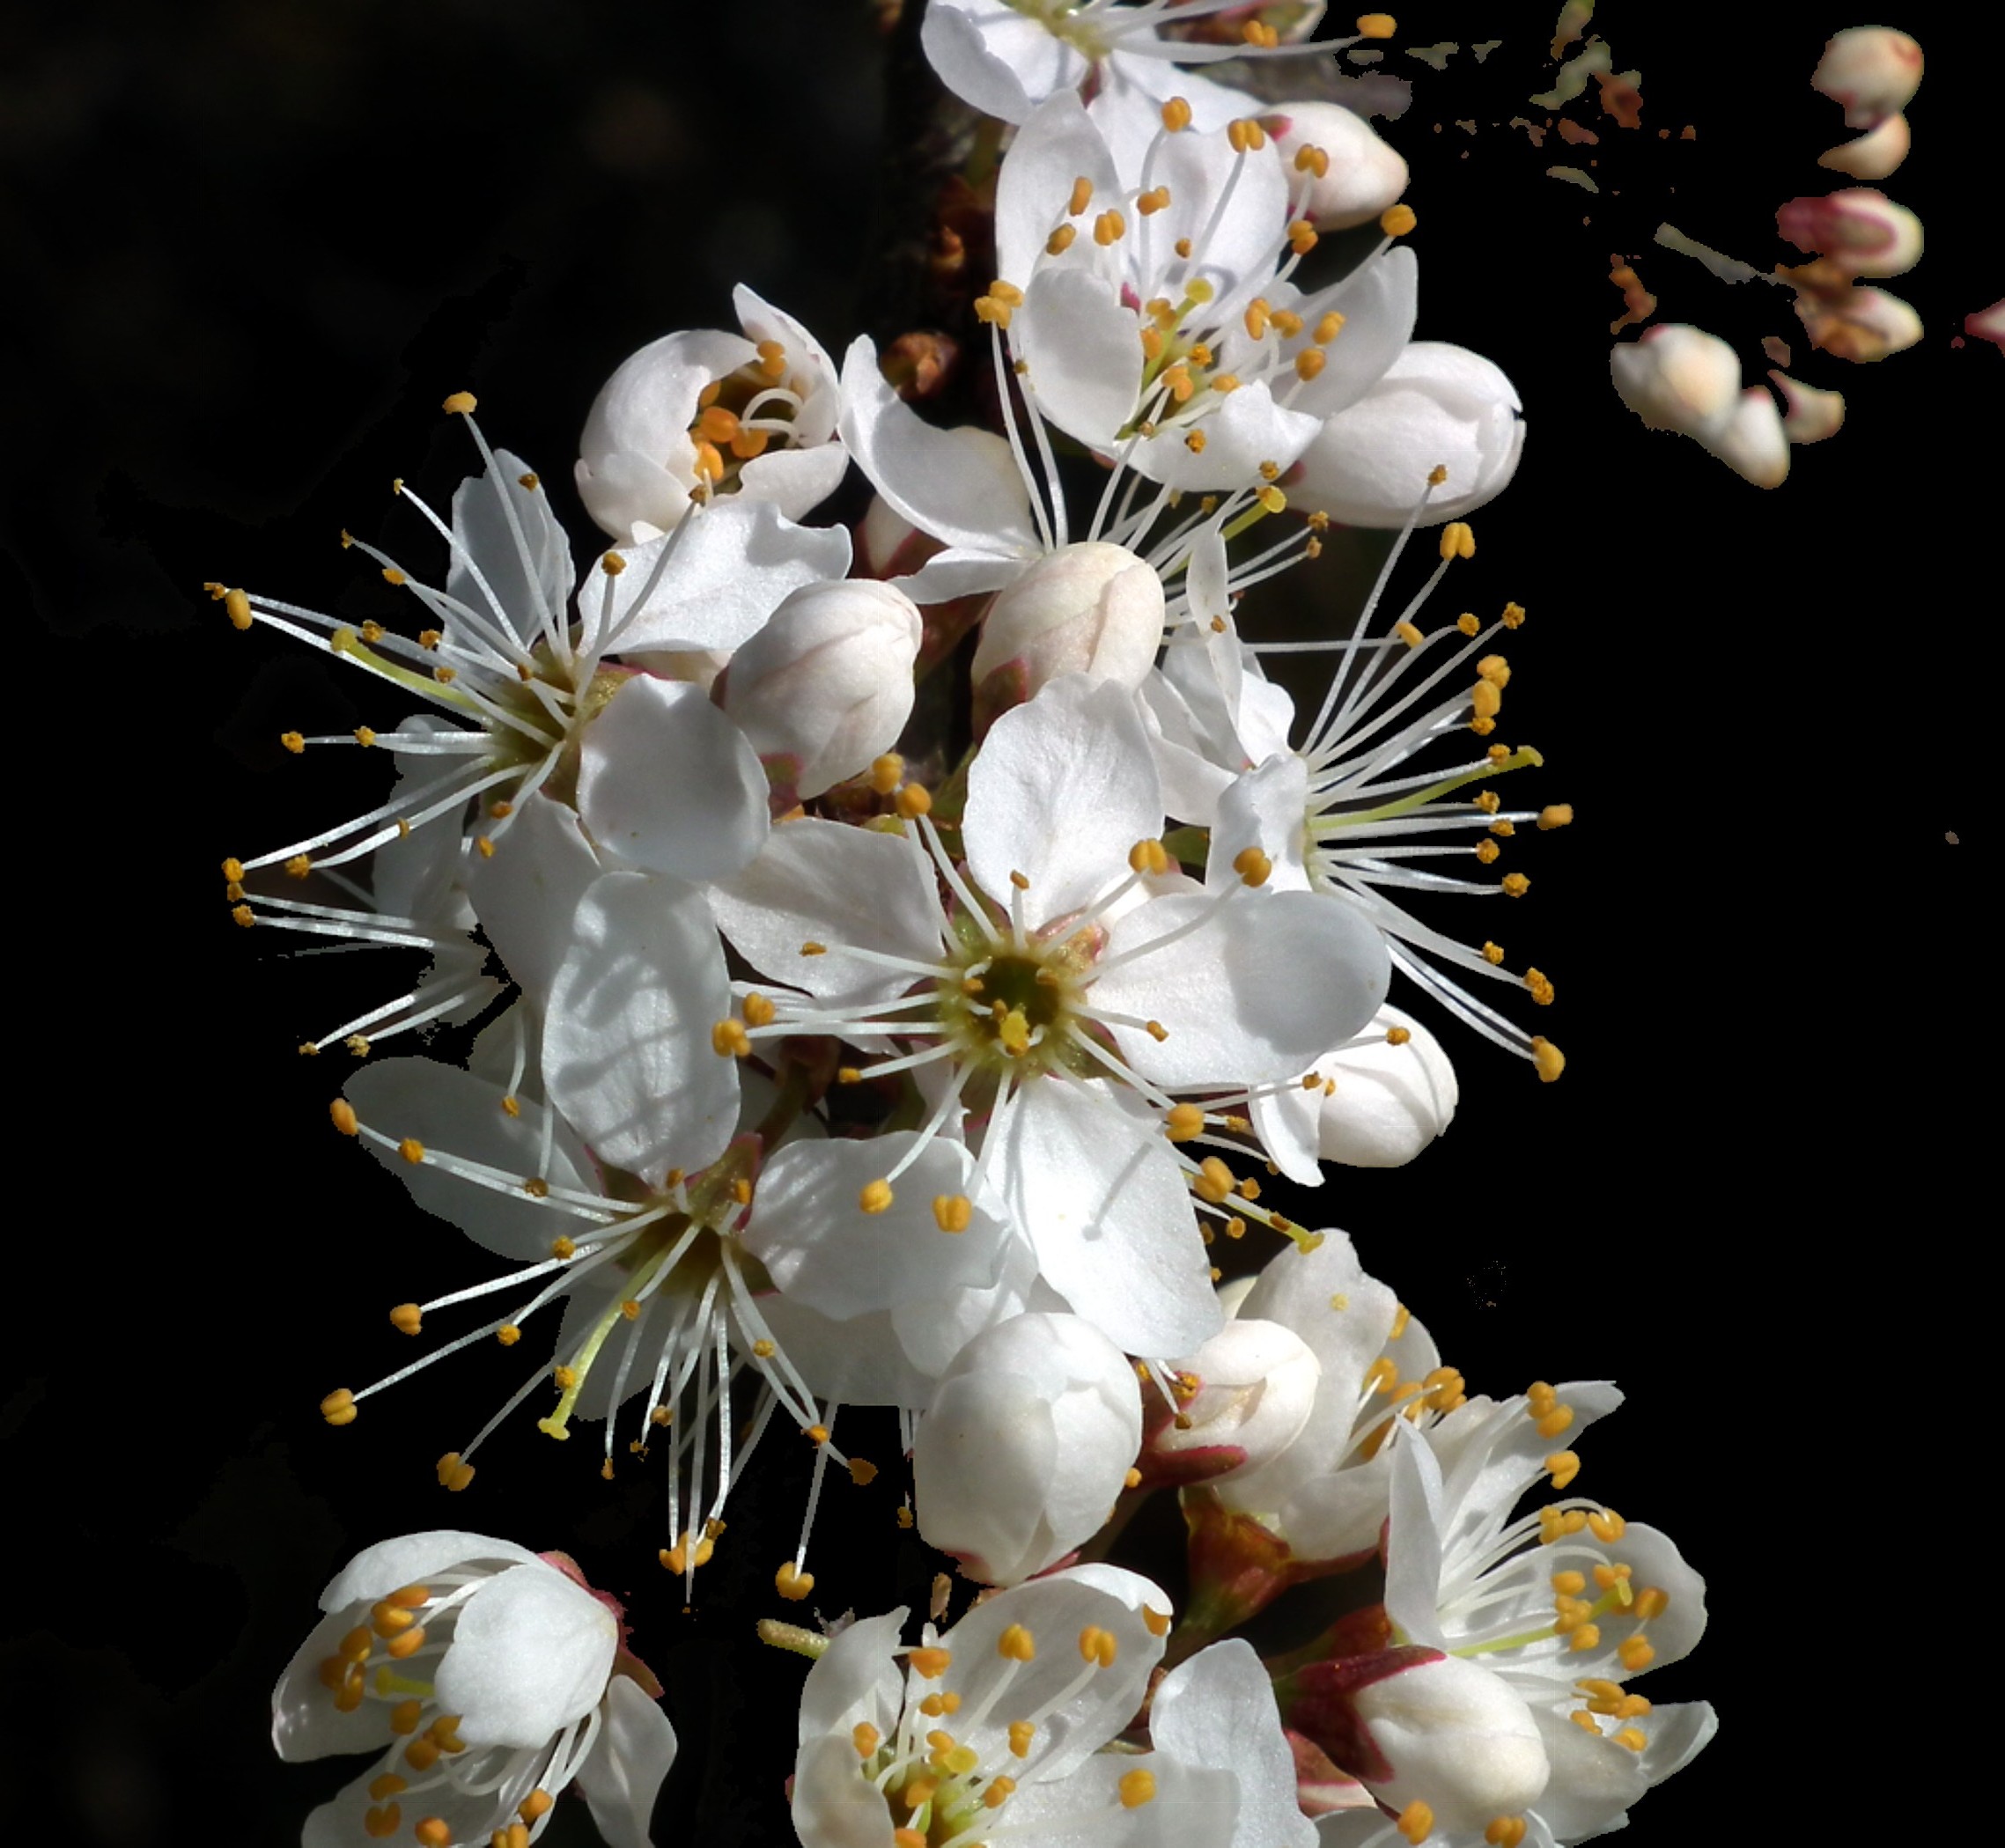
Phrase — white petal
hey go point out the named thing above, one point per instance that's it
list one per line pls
(1083, 352)
(305, 1721)
(524, 595)
(1248, 429)
(411, 1559)
(959, 50)
(1379, 304)
(858, 1362)
(1267, 808)
(1217, 1710)
(854, 1679)
(959, 572)
(669, 784)
(454, 1113)
(834, 1805)
(1061, 790)
(1249, 996)
(627, 1054)
(982, 1461)
(733, 564)
(961, 487)
(795, 480)
(1095, 1186)
(623, 1774)
(531, 1654)
(525, 892)
(823, 1250)
(1056, 146)
(826, 882)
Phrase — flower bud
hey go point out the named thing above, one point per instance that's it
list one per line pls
(1455, 1737)
(1364, 173)
(1871, 70)
(1090, 608)
(1753, 444)
(1875, 153)
(1383, 1102)
(826, 686)
(1861, 228)
(1255, 1388)
(1812, 415)
(1860, 324)
(1678, 377)
(1025, 1445)
(1437, 406)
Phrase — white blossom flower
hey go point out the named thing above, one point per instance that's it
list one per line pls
(706, 412)
(668, 1286)
(1027, 1443)
(1436, 406)
(1007, 56)
(994, 1731)
(489, 1678)
(1144, 279)
(1054, 988)
(518, 678)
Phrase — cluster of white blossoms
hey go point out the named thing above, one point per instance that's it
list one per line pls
(821, 1050)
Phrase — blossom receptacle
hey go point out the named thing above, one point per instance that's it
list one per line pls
(1870, 71)
(826, 686)
(1090, 608)
(1678, 377)
(1437, 406)
(1416, 1726)
(1237, 1403)
(1025, 1445)
(1859, 228)
(1361, 174)
(491, 1678)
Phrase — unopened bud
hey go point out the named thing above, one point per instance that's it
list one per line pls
(1457, 1737)
(1870, 72)
(827, 684)
(1678, 377)
(1363, 176)
(1026, 1445)
(1256, 1385)
(1753, 444)
(1090, 608)
(1378, 1105)
(1860, 229)
(1861, 324)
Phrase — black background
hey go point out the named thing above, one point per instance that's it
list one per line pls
(256, 243)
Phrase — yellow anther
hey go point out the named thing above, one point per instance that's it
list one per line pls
(343, 1114)
(406, 1643)
(1652, 1602)
(1137, 1787)
(1022, 1732)
(1060, 240)
(1487, 851)
(392, 575)
(1082, 196)
(866, 1738)
(1458, 541)
(1515, 884)
(1513, 616)
(1633, 1737)
(508, 1334)
(1225, 383)
(1484, 700)
(1495, 669)
(1635, 1654)
(1551, 1423)
(1396, 220)
(1176, 114)
(1408, 633)
(1252, 865)
(729, 1040)
(1415, 1821)
(1184, 1120)
(1108, 228)
(380, 1824)
(886, 773)
(1301, 237)
(1148, 857)
(298, 867)
(904, 1517)
(931, 1664)
(1505, 1831)
(1016, 1644)
(875, 1196)
(793, 1585)
(1245, 136)
(453, 1472)
(1099, 1645)
(772, 358)
(1548, 1058)
(759, 1011)
(412, 1150)
(1214, 1183)
(537, 1803)
(1563, 1465)
(993, 312)
(1309, 362)
(407, 1316)
(1327, 328)
(914, 800)
(999, 1791)
(1377, 25)
(1555, 814)
(1583, 1638)
(1540, 986)
(953, 1212)
(338, 1408)
(1149, 203)
(1607, 1525)
(1257, 317)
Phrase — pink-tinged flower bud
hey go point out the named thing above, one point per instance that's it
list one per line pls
(1454, 1737)
(1988, 324)
(1678, 377)
(1875, 153)
(1242, 1399)
(826, 686)
(1753, 444)
(1870, 71)
(1437, 406)
(1361, 174)
(1859, 228)
(1862, 324)
(1025, 1445)
(1812, 415)
(1092, 608)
